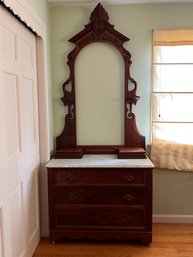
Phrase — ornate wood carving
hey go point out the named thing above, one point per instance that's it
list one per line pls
(99, 195)
(82, 176)
(100, 203)
(87, 217)
(99, 30)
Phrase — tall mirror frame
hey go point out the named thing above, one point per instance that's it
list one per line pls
(100, 30)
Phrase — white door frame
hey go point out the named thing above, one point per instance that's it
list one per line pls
(22, 9)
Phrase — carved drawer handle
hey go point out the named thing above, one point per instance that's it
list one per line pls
(128, 179)
(71, 179)
(71, 198)
(128, 197)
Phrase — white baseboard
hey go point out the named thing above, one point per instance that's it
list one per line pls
(183, 219)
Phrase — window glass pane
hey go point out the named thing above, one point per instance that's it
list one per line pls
(173, 107)
(173, 78)
(173, 54)
(178, 133)
(172, 99)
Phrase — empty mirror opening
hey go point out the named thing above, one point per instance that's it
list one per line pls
(99, 81)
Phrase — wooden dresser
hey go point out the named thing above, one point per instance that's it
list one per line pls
(100, 197)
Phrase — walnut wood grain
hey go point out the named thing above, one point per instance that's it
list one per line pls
(100, 30)
(100, 203)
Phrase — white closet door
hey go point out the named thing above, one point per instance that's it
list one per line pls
(19, 140)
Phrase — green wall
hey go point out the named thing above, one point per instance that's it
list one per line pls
(42, 10)
(172, 190)
(40, 7)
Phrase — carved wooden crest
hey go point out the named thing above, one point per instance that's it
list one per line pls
(99, 30)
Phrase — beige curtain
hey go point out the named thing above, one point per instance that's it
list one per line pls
(173, 37)
(172, 100)
(169, 155)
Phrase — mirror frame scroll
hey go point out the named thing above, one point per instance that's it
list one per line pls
(99, 30)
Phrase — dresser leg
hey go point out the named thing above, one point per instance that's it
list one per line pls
(147, 241)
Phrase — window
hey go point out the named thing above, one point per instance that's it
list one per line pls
(172, 98)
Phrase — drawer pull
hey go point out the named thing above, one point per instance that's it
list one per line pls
(71, 179)
(128, 197)
(128, 179)
(71, 198)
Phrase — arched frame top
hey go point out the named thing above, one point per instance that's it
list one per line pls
(100, 30)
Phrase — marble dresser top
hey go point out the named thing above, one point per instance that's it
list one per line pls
(100, 161)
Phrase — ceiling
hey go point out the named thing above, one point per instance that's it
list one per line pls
(94, 2)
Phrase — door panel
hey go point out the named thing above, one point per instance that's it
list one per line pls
(8, 42)
(19, 135)
(16, 219)
(11, 106)
(30, 193)
(1, 235)
(27, 113)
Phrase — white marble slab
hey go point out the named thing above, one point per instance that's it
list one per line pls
(100, 161)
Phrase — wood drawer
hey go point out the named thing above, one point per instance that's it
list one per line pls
(100, 203)
(100, 176)
(96, 217)
(98, 195)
